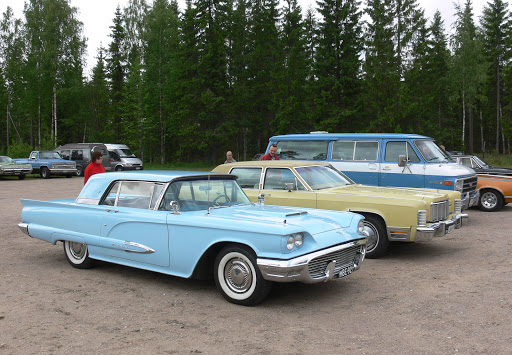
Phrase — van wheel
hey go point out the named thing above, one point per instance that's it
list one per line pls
(45, 172)
(79, 171)
(378, 241)
(119, 168)
(490, 201)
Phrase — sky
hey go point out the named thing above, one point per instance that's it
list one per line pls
(97, 16)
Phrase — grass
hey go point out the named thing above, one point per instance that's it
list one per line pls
(501, 160)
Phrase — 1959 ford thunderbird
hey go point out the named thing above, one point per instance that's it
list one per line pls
(191, 224)
(391, 214)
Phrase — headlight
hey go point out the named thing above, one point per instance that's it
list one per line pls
(299, 239)
(360, 226)
(459, 184)
(295, 240)
(422, 217)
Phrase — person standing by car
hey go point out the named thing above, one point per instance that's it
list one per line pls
(272, 153)
(95, 166)
(229, 158)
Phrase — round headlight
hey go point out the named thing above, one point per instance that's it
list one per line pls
(290, 242)
(299, 239)
(360, 226)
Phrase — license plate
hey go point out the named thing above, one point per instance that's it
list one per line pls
(137, 168)
(450, 228)
(345, 271)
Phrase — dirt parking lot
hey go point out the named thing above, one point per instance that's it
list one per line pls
(450, 296)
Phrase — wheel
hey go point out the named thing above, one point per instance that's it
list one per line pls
(378, 241)
(490, 200)
(219, 197)
(119, 168)
(77, 255)
(238, 277)
(79, 170)
(22, 177)
(45, 172)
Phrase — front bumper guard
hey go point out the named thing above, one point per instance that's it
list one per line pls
(296, 269)
(439, 229)
(470, 201)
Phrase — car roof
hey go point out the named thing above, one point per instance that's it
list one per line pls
(98, 183)
(336, 136)
(277, 163)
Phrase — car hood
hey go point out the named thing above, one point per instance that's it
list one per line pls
(269, 216)
(387, 192)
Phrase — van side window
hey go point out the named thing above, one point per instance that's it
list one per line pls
(342, 150)
(302, 150)
(394, 149)
(64, 154)
(366, 151)
(248, 178)
(77, 154)
(276, 178)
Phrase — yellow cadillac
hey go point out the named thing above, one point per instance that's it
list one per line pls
(391, 214)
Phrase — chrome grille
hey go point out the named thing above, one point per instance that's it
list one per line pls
(439, 211)
(469, 184)
(344, 257)
(63, 165)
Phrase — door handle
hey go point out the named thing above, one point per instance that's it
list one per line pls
(387, 168)
(110, 210)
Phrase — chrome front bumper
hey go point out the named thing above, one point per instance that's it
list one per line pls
(297, 269)
(438, 229)
(470, 201)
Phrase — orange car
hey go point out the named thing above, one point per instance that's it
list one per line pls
(495, 191)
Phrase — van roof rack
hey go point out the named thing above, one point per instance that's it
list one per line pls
(318, 132)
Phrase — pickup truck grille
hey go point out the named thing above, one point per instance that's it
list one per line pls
(343, 258)
(439, 211)
(63, 165)
(469, 184)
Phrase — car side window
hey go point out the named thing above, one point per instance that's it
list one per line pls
(395, 149)
(276, 178)
(466, 162)
(133, 194)
(33, 155)
(248, 178)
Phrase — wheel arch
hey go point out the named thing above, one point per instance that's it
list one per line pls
(204, 267)
(486, 188)
(373, 214)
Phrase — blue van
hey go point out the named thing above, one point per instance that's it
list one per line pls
(383, 159)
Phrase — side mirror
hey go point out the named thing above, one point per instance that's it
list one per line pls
(175, 207)
(402, 161)
(289, 186)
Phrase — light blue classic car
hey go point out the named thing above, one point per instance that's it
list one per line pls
(192, 224)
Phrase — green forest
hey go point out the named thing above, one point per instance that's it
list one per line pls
(189, 84)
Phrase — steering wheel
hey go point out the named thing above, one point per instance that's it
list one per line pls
(224, 195)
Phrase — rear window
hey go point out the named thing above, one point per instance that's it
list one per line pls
(302, 150)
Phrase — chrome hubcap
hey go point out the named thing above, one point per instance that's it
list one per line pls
(489, 200)
(77, 250)
(373, 236)
(238, 275)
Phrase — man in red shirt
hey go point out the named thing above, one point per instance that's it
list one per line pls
(95, 167)
(272, 153)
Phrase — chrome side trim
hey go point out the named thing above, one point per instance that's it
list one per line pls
(145, 249)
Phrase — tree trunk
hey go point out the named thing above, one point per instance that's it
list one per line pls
(482, 145)
(470, 124)
(7, 129)
(498, 107)
(463, 117)
(55, 113)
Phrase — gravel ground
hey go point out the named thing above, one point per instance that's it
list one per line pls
(450, 296)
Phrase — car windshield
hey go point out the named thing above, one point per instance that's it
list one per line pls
(431, 152)
(125, 153)
(481, 162)
(201, 194)
(49, 155)
(5, 160)
(323, 177)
